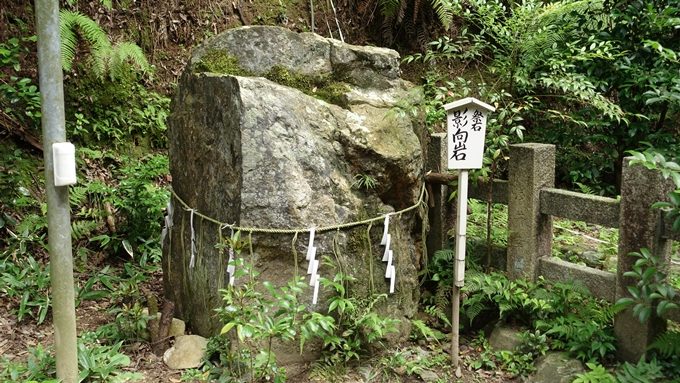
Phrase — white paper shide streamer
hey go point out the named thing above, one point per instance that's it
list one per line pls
(313, 266)
(231, 268)
(388, 255)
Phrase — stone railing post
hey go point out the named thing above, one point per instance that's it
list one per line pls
(531, 168)
(639, 226)
(436, 162)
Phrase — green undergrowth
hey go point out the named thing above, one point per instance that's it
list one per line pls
(323, 87)
(258, 314)
(99, 361)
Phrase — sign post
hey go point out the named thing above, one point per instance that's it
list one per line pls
(466, 129)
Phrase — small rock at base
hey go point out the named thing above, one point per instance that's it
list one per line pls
(428, 376)
(556, 367)
(505, 338)
(177, 328)
(188, 352)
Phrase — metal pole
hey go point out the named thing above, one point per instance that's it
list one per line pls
(459, 268)
(58, 215)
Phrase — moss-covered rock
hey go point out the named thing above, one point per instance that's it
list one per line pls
(251, 143)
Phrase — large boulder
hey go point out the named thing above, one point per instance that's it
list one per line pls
(252, 152)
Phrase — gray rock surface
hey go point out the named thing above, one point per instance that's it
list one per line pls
(259, 48)
(187, 352)
(505, 338)
(177, 328)
(556, 367)
(592, 258)
(246, 150)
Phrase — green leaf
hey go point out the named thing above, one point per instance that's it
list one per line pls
(227, 327)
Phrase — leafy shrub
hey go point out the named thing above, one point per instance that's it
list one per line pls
(597, 374)
(19, 96)
(27, 281)
(96, 363)
(641, 372)
(120, 114)
(358, 325)
(40, 366)
(102, 363)
(141, 198)
(566, 314)
(254, 319)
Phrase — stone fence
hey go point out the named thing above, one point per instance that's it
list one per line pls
(532, 202)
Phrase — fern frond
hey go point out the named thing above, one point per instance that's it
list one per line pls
(401, 11)
(417, 4)
(124, 55)
(474, 309)
(105, 58)
(643, 371)
(438, 312)
(444, 11)
(83, 229)
(88, 29)
(667, 344)
(389, 8)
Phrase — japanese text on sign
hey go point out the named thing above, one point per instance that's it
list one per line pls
(466, 129)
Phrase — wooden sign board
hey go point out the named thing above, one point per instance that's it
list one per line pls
(466, 127)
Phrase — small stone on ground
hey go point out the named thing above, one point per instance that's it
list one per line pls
(187, 352)
(556, 367)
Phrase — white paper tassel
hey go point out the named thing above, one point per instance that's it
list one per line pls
(386, 226)
(387, 247)
(393, 278)
(388, 269)
(315, 268)
(311, 244)
(231, 268)
(311, 261)
(315, 297)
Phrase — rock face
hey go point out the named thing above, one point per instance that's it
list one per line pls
(504, 338)
(249, 151)
(556, 367)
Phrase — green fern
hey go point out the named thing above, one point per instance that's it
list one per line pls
(389, 8)
(122, 55)
(667, 344)
(71, 22)
(420, 330)
(643, 371)
(597, 374)
(83, 229)
(438, 312)
(444, 10)
(105, 58)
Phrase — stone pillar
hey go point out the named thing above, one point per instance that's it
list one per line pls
(531, 168)
(639, 227)
(436, 162)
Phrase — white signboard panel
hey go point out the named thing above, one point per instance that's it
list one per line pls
(466, 126)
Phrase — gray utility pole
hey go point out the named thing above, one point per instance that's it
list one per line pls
(58, 215)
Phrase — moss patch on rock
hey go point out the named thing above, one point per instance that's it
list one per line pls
(217, 61)
(324, 87)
